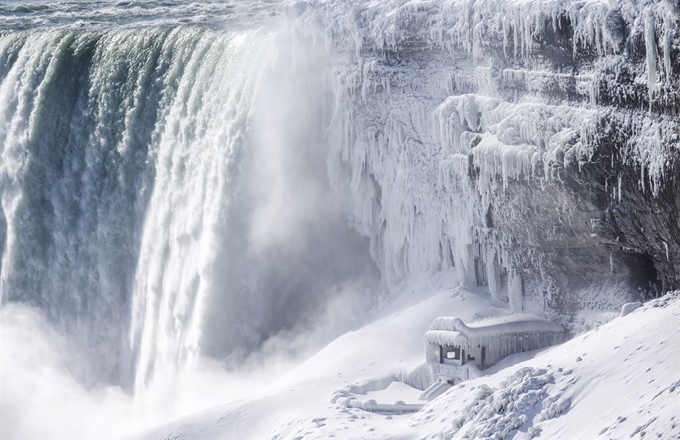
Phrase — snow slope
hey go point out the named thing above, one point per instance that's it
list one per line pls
(618, 381)
(391, 345)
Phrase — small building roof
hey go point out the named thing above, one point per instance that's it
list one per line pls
(452, 331)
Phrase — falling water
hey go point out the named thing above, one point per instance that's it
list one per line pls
(164, 194)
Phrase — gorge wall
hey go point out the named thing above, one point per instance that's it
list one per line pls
(533, 146)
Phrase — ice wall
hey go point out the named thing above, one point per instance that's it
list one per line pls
(531, 145)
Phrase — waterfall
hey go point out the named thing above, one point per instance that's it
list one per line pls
(164, 195)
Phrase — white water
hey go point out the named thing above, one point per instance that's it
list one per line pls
(165, 207)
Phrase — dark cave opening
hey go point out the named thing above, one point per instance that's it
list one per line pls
(644, 278)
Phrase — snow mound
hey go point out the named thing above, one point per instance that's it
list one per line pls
(497, 414)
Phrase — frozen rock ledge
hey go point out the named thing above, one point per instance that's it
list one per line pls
(530, 145)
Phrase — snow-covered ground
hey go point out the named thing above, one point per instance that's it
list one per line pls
(394, 392)
(618, 381)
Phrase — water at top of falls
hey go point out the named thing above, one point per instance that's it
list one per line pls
(99, 15)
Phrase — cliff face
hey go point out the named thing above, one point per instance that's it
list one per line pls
(531, 145)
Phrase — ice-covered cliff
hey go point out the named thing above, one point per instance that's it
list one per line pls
(532, 145)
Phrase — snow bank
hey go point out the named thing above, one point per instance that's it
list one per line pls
(363, 360)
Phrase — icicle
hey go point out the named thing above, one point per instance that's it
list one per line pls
(515, 36)
(669, 28)
(515, 291)
(493, 276)
(650, 44)
(506, 30)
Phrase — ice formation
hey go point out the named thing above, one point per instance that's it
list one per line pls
(498, 414)
(456, 352)
(510, 140)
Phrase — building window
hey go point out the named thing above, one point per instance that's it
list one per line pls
(451, 353)
(471, 358)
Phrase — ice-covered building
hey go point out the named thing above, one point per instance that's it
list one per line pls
(456, 352)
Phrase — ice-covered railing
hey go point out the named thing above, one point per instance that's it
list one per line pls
(512, 323)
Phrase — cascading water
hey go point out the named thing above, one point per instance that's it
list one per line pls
(164, 196)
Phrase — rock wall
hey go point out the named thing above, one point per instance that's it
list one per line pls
(531, 145)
